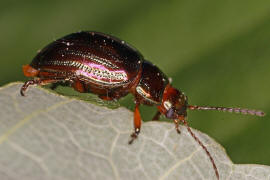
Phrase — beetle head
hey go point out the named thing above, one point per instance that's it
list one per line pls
(174, 103)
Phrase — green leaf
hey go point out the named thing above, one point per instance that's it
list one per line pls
(49, 136)
(217, 52)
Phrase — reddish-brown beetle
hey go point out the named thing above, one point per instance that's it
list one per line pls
(104, 65)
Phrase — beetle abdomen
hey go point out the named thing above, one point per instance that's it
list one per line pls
(91, 57)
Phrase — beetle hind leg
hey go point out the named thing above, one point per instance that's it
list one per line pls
(78, 86)
(38, 82)
(27, 84)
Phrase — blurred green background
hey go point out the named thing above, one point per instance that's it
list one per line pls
(217, 52)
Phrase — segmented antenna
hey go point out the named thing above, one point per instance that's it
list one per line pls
(224, 109)
(229, 109)
(203, 146)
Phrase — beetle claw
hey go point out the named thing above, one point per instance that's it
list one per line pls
(178, 130)
(22, 92)
(133, 137)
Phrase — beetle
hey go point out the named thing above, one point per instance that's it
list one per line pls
(109, 67)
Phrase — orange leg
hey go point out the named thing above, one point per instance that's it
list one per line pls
(78, 86)
(105, 98)
(137, 123)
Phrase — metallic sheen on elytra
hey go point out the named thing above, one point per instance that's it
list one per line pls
(101, 64)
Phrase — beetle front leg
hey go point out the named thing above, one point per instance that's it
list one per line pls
(176, 123)
(137, 123)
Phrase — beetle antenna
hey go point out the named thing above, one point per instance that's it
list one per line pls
(203, 146)
(229, 109)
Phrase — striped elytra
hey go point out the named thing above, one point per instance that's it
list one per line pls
(93, 62)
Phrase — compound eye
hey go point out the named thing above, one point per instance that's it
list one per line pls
(170, 113)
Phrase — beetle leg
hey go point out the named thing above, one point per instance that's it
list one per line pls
(176, 122)
(137, 123)
(78, 86)
(157, 116)
(38, 82)
(26, 84)
(112, 95)
(106, 98)
(54, 86)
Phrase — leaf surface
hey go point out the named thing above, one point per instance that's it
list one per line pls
(48, 136)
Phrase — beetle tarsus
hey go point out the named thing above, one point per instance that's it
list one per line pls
(137, 123)
(178, 131)
(22, 92)
(133, 137)
(26, 84)
(176, 123)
